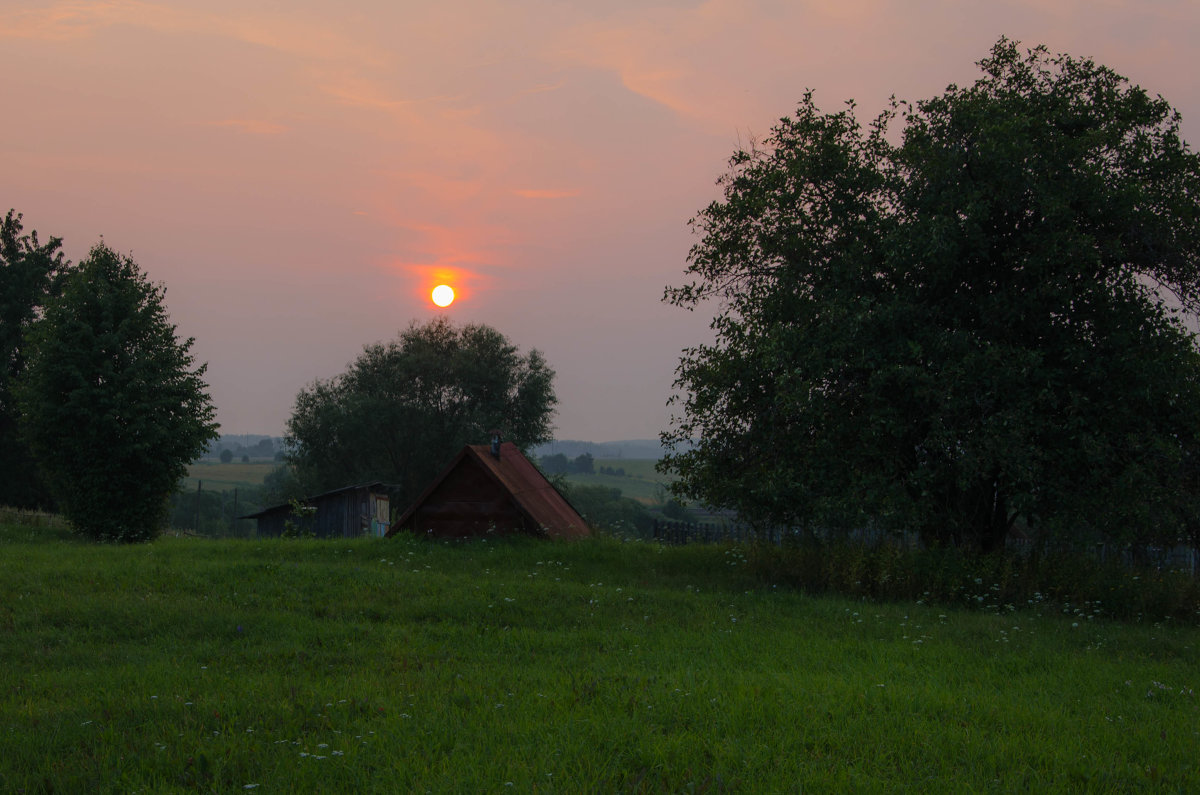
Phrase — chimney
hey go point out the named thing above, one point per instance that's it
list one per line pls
(495, 443)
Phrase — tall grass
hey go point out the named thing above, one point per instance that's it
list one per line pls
(1067, 580)
(402, 665)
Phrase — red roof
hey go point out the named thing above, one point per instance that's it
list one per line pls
(534, 497)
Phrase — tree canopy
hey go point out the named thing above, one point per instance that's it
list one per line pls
(113, 405)
(975, 322)
(403, 409)
(31, 274)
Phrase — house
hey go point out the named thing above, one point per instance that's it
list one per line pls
(347, 512)
(491, 489)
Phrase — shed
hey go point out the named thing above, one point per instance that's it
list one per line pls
(347, 512)
(491, 488)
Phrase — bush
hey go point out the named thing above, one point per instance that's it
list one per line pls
(605, 509)
(1004, 581)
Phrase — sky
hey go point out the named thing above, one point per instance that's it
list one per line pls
(300, 174)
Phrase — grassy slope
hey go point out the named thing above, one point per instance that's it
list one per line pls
(226, 477)
(394, 665)
(640, 481)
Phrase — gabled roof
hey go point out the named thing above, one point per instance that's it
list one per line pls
(532, 494)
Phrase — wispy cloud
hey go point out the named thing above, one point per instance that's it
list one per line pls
(545, 193)
(542, 88)
(294, 33)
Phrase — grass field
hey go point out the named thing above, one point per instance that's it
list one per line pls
(640, 481)
(226, 477)
(521, 666)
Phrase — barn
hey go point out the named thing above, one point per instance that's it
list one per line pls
(347, 512)
(491, 489)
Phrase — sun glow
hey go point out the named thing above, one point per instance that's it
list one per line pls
(443, 295)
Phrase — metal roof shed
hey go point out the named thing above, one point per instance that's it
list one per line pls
(347, 512)
(491, 489)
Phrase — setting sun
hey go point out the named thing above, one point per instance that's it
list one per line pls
(443, 295)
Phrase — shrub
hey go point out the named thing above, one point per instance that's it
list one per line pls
(1068, 579)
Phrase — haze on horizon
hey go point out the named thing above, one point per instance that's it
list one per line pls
(300, 176)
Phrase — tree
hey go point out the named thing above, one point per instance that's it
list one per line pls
(557, 464)
(976, 324)
(403, 409)
(584, 464)
(113, 404)
(30, 275)
(226, 456)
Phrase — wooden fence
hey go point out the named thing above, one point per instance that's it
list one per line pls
(677, 533)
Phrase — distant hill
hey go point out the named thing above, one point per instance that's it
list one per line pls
(263, 446)
(255, 445)
(650, 449)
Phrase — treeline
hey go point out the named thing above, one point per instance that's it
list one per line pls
(583, 464)
(264, 449)
(244, 447)
(559, 464)
(212, 512)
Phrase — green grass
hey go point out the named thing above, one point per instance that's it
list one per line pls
(640, 481)
(401, 665)
(635, 468)
(226, 477)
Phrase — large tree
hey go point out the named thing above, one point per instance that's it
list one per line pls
(31, 274)
(403, 409)
(945, 331)
(113, 404)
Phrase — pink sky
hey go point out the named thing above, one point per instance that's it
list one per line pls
(299, 173)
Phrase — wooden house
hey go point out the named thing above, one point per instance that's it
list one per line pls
(347, 512)
(491, 489)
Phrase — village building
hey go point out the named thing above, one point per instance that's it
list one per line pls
(348, 512)
(491, 489)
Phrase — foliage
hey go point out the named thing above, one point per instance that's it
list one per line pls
(559, 464)
(299, 521)
(403, 410)
(281, 485)
(556, 464)
(1087, 586)
(971, 326)
(401, 665)
(606, 509)
(675, 510)
(31, 274)
(216, 512)
(226, 456)
(113, 404)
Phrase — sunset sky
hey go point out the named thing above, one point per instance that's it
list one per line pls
(300, 174)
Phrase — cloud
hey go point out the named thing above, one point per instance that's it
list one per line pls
(59, 23)
(292, 33)
(542, 88)
(534, 193)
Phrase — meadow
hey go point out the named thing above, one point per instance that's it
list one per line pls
(235, 474)
(640, 481)
(397, 665)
